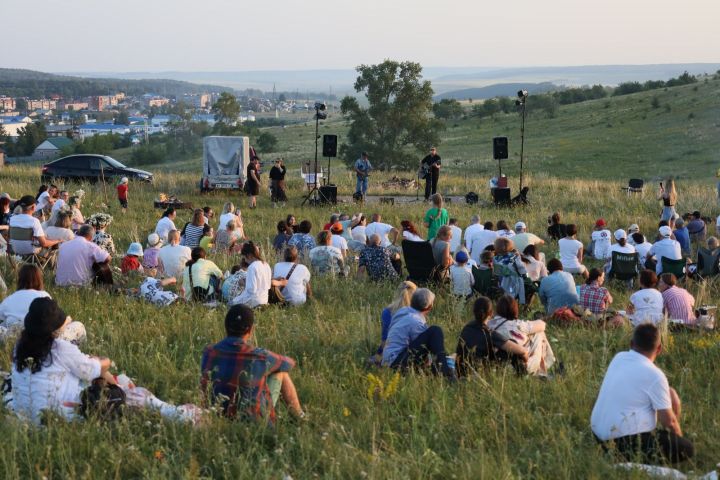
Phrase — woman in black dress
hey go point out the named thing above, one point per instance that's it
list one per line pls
(277, 181)
(252, 186)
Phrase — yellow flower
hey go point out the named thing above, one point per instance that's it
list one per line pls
(346, 412)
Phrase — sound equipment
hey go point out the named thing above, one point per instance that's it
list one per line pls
(330, 146)
(328, 194)
(471, 198)
(501, 196)
(500, 148)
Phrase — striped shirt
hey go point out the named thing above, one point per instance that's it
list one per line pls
(192, 236)
(678, 304)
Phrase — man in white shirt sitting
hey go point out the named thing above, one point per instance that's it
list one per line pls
(482, 239)
(472, 230)
(173, 257)
(26, 220)
(666, 247)
(634, 396)
(523, 238)
(387, 233)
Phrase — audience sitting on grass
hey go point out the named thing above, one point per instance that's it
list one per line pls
(173, 256)
(337, 239)
(403, 294)
(411, 342)
(555, 230)
(81, 262)
(558, 288)
(456, 238)
(207, 241)
(201, 277)
(632, 230)
(302, 240)
(326, 259)
(435, 217)
(596, 298)
(634, 397)
(284, 233)
(534, 261)
(528, 334)
(441, 248)
(409, 231)
(100, 222)
(234, 282)
(682, 235)
(297, 287)
(291, 223)
(523, 238)
(665, 247)
(387, 233)
(258, 279)
(503, 230)
(245, 381)
(600, 240)
(358, 229)
(472, 230)
(646, 305)
(75, 204)
(26, 220)
(482, 239)
(377, 261)
(229, 238)
(642, 247)
(151, 254)
(571, 252)
(696, 227)
(60, 230)
(678, 303)
(192, 232)
(622, 246)
(228, 214)
(166, 224)
(479, 346)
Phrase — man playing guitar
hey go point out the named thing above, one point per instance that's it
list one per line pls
(362, 172)
(430, 171)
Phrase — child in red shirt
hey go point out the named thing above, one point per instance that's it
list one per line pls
(131, 260)
(122, 191)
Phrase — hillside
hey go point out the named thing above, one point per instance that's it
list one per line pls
(496, 90)
(33, 84)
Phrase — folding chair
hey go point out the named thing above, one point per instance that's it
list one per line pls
(22, 234)
(624, 266)
(676, 267)
(708, 263)
(635, 185)
(486, 283)
(419, 261)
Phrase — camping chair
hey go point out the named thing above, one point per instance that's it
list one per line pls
(486, 283)
(676, 267)
(21, 234)
(708, 263)
(635, 185)
(624, 266)
(419, 261)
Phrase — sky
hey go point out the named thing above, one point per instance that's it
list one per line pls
(234, 35)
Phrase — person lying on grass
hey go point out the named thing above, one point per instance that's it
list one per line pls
(479, 346)
(245, 381)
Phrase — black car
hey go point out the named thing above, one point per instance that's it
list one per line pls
(91, 167)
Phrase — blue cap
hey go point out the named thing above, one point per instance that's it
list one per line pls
(461, 256)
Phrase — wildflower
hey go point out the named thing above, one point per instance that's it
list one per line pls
(159, 455)
(346, 412)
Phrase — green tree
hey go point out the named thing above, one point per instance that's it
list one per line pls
(29, 137)
(21, 105)
(396, 125)
(226, 109)
(447, 109)
(266, 142)
(122, 118)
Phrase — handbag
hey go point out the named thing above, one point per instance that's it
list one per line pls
(275, 295)
(103, 400)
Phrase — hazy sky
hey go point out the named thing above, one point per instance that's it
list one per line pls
(215, 35)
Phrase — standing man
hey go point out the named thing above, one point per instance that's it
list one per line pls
(362, 171)
(430, 167)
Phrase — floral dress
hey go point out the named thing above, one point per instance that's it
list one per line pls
(104, 241)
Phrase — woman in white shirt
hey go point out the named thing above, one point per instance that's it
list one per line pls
(534, 263)
(297, 289)
(571, 252)
(166, 224)
(49, 373)
(358, 231)
(258, 280)
(60, 230)
(409, 232)
(646, 305)
(228, 213)
(30, 285)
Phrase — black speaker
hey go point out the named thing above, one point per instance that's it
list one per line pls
(501, 196)
(328, 193)
(330, 146)
(500, 148)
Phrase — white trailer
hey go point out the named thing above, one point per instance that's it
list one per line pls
(225, 161)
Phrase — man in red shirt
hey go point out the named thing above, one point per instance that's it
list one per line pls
(122, 191)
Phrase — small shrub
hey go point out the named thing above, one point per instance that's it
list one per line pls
(691, 115)
(655, 102)
(668, 108)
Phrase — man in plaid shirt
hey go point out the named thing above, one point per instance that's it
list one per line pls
(243, 380)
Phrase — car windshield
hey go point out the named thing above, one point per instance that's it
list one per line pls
(113, 162)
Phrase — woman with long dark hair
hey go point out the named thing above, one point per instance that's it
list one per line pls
(201, 277)
(48, 373)
(192, 232)
(166, 224)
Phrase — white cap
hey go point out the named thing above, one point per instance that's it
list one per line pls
(124, 180)
(135, 249)
(634, 228)
(665, 231)
(153, 239)
(620, 233)
(520, 226)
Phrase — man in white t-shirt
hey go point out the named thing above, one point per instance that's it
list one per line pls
(634, 396)
(666, 247)
(26, 220)
(523, 238)
(383, 230)
(482, 239)
(472, 230)
(456, 239)
(600, 240)
(173, 257)
(76, 258)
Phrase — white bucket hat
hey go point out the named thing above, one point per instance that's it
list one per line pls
(135, 249)
(154, 240)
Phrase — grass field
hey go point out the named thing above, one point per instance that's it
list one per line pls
(499, 426)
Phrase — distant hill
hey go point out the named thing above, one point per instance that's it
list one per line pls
(497, 90)
(33, 84)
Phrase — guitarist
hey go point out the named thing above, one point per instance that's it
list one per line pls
(362, 171)
(430, 171)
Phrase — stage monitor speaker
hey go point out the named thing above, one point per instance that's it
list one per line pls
(500, 148)
(329, 146)
(328, 194)
(501, 196)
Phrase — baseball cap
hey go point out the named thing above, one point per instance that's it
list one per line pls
(600, 222)
(665, 231)
(26, 201)
(153, 239)
(520, 226)
(44, 317)
(135, 249)
(336, 227)
(620, 233)
(634, 228)
(461, 256)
